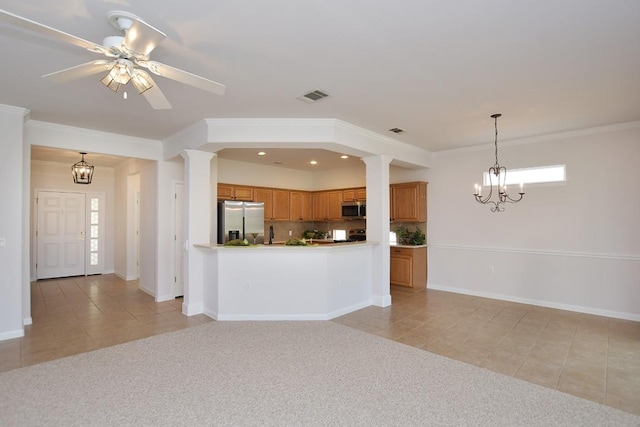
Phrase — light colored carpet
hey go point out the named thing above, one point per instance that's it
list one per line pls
(281, 374)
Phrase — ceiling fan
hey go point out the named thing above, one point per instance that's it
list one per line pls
(127, 57)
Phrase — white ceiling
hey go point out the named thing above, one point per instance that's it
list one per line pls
(436, 69)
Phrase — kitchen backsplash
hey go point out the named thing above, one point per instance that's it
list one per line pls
(281, 228)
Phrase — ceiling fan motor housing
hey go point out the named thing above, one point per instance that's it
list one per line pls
(113, 42)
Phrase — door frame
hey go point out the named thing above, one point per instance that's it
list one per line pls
(177, 263)
(100, 268)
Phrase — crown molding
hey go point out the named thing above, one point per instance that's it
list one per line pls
(545, 138)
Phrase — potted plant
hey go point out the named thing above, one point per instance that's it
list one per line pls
(412, 238)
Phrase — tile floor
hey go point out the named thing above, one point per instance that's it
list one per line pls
(593, 357)
(79, 314)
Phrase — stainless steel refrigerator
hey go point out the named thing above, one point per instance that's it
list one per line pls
(240, 220)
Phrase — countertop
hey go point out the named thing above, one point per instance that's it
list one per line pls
(396, 245)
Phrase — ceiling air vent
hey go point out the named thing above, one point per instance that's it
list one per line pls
(396, 130)
(313, 96)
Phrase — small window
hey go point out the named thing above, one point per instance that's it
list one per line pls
(537, 175)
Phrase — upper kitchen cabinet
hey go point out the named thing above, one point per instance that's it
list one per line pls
(234, 192)
(354, 194)
(276, 203)
(301, 208)
(408, 202)
(327, 205)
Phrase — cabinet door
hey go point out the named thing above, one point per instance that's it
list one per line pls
(307, 208)
(320, 206)
(243, 193)
(280, 205)
(334, 208)
(225, 192)
(409, 202)
(401, 269)
(265, 195)
(301, 208)
(349, 195)
(360, 194)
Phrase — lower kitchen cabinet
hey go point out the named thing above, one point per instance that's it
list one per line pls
(408, 266)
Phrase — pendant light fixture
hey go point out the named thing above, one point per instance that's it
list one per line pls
(499, 173)
(82, 171)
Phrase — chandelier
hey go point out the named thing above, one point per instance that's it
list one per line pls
(499, 173)
(82, 172)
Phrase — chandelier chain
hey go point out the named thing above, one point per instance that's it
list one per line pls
(495, 120)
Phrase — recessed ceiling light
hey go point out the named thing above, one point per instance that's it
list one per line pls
(261, 153)
(344, 156)
(313, 162)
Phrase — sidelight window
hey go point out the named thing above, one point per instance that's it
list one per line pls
(94, 231)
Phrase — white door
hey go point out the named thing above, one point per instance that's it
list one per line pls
(60, 234)
(178, 242)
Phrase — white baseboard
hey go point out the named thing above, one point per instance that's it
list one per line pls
(147, 291)
(541, 303)
(165, 298)
(9, 335)
(300, 316)
(350, 309)
(27, 321)
(192, 309)
(123, 277)
(381, 301)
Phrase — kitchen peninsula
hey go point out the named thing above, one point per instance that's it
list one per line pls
(274, 282)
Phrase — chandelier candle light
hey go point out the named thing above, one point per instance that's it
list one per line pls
(500, 174)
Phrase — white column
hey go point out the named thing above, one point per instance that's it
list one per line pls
(13, 241)
(197, 218)
(378, 225)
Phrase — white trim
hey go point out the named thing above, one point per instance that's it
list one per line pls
(27, 321)
(148, 291)
(18, 333)
(163, 298)
(381, 301)
(192, 309)
(623, 257)
(302, 316)
(544, 138)
(541, 303)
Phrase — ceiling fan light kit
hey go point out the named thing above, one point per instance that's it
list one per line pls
(126, 55)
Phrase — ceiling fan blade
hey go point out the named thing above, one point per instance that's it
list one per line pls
(142, 38)
(80, 71)
(154, 96)
(182, 76)
(44, 30)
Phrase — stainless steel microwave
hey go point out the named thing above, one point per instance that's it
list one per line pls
(354, 210)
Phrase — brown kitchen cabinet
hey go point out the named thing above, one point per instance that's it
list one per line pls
(354, 194)
(300, 208)
(327, 205)
(408, 266)
(235, 192)
(276, 203)
(408, 202)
